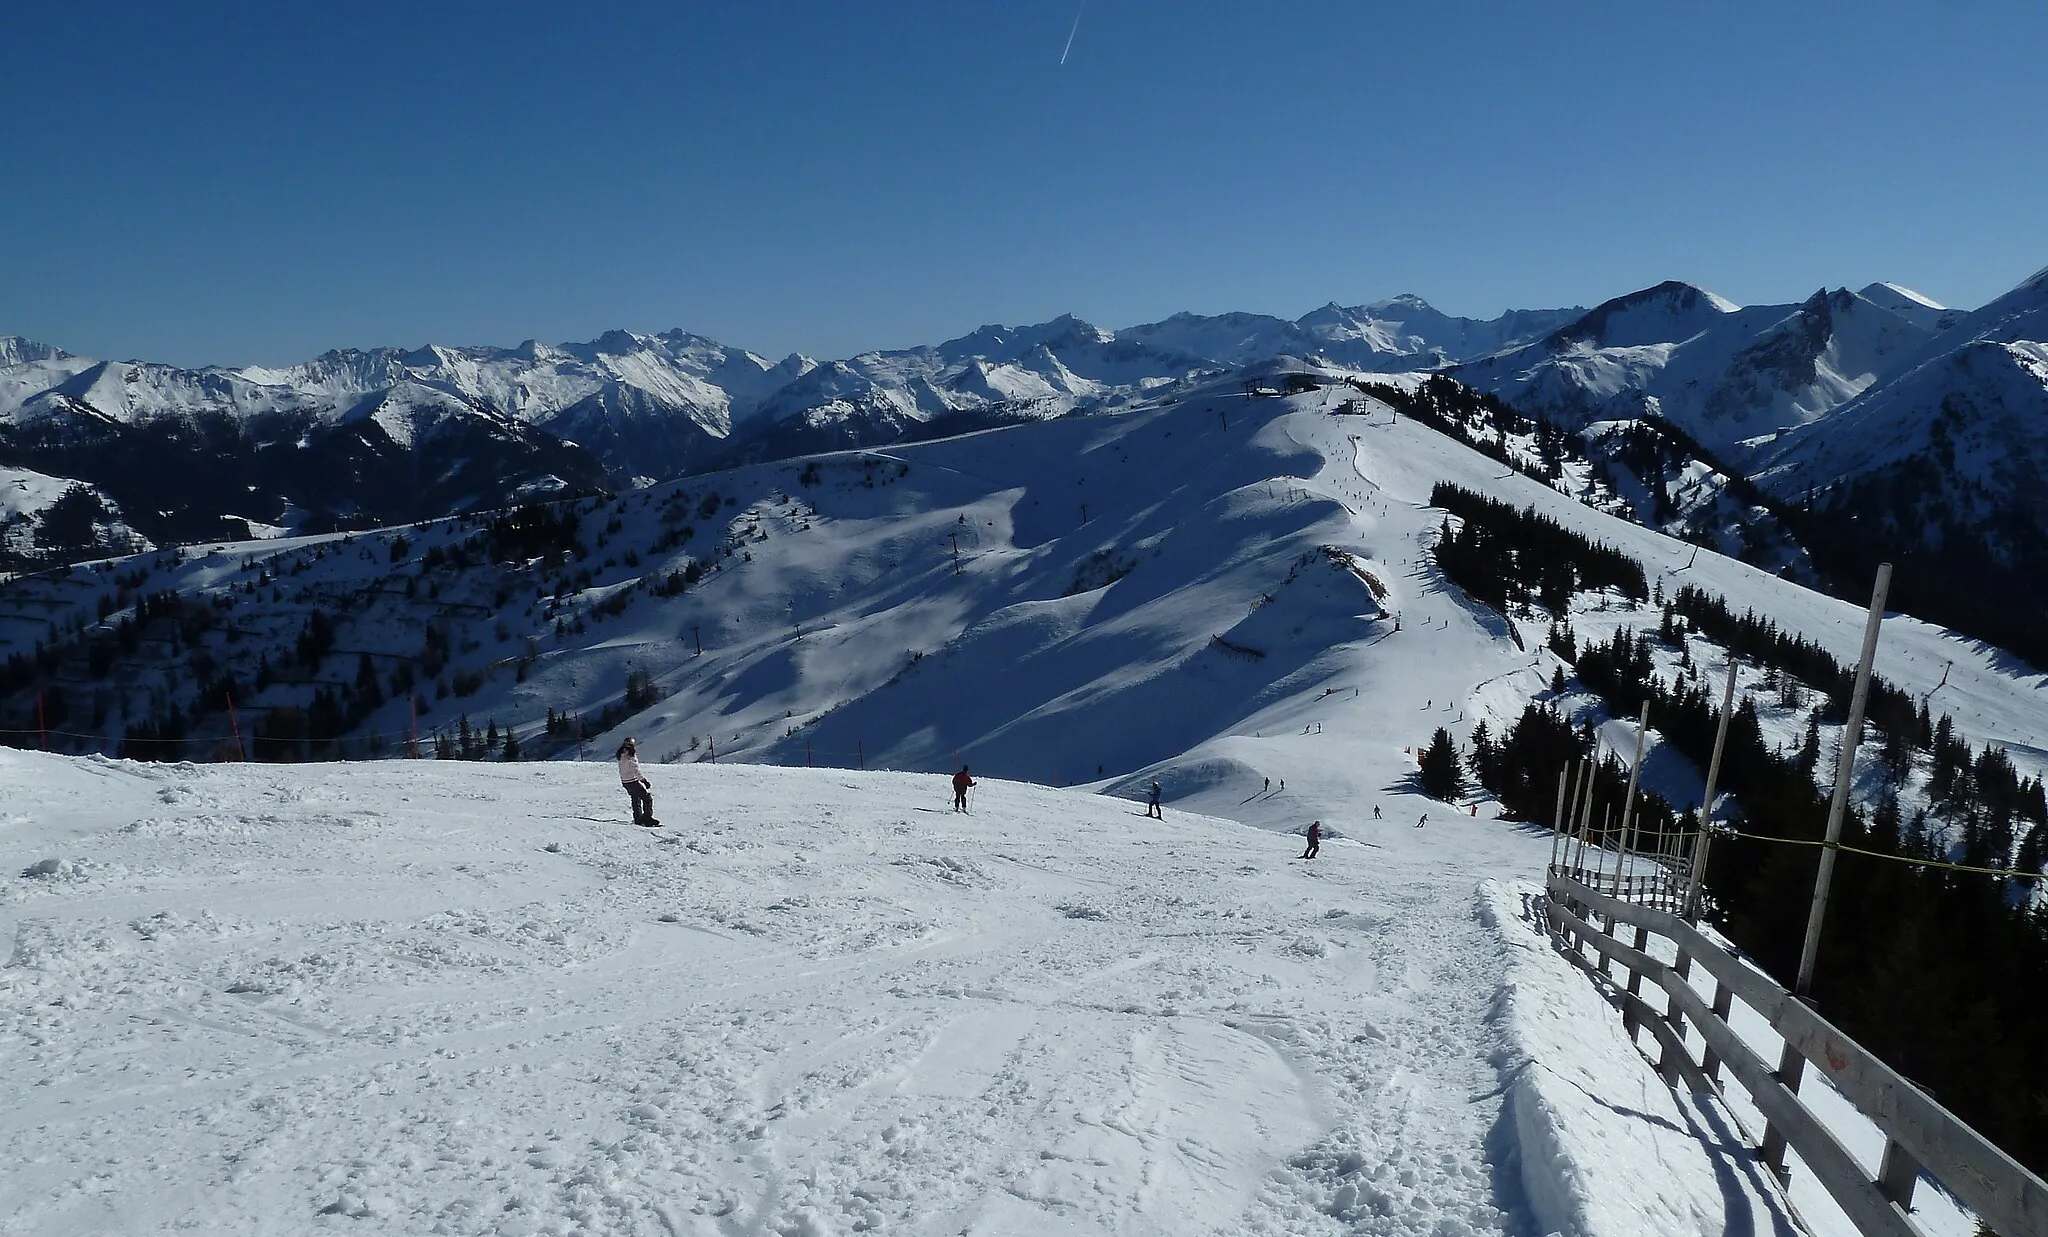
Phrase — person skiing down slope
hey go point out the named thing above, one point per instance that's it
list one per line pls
(961, 783)
(1152, 804)
(636, 785)
(1315, 839)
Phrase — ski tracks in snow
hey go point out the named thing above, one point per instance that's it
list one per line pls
(1040, 1019)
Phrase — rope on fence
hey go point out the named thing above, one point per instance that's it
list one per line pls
(1878, 854)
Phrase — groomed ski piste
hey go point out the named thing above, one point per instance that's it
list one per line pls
(432, 997)
(422, 996)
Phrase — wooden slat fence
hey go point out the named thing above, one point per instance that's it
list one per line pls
(1919, 1133)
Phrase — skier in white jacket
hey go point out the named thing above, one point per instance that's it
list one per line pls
(636, 785)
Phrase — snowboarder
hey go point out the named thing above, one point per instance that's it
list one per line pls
(1152, 804)
(636, 785)
(961, 784)
(1315, 839)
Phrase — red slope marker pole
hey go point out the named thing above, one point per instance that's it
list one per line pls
(237, 726)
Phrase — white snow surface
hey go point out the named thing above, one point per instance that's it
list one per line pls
(1052, 649)
(1913, 306)
(439, 997)
(26, 494)
(23, 491)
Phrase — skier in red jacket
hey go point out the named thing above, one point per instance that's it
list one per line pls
(961, 783)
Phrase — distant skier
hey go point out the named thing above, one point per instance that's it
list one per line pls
(1375, 811)
(636, 785)
(961, 785)
(1315, 839)
(1152, 803)
(1269, 786)
(1425, 820)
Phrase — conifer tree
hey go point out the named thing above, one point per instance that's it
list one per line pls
(1440, 776)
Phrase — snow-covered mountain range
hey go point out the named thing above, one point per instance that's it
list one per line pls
(1731, 376)
(1878, 405)
(1883, 425)
(353, 438)
(1967, 411)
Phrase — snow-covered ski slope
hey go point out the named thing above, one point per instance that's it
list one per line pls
(1080, 600)
(1227, 631)
(282, 998)
(421, 997)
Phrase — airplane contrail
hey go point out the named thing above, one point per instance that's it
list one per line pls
(1070, 33)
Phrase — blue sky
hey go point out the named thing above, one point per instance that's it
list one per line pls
(230, 183)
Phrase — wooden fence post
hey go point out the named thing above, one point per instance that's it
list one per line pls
(1897, 1173)
(1791, 1070)
(1699, 851)
(1683, 969)
(1724, 998)
(1635, 978)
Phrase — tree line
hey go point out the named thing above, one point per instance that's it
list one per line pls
(1942, 973)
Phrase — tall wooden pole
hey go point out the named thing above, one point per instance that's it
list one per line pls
(1586, 787)
(1557, 817)
(1628, 801)
(1844, 768)
(1705, 839)
(1600, 859)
